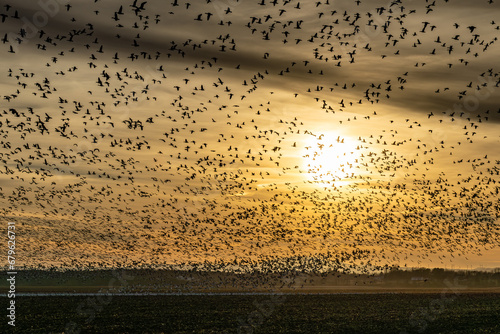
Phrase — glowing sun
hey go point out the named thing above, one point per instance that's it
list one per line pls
(330, 157)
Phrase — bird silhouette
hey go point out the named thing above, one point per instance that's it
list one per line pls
(266, 136)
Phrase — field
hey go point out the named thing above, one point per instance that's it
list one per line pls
(451, 312)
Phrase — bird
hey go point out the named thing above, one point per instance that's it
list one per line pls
(265, 137)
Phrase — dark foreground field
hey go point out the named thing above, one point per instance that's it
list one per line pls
(336, 313)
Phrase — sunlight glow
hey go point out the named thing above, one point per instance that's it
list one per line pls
(330, 157)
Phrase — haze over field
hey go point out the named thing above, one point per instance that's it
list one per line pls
(300, 134)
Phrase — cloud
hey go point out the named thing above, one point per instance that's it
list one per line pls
(191, 133)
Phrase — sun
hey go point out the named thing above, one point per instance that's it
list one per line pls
(330, 157)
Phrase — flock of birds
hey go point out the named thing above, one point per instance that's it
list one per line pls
(151, 134)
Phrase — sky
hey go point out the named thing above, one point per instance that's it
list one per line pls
(313, 135)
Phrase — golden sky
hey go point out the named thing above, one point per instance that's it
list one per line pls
(340, 132)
